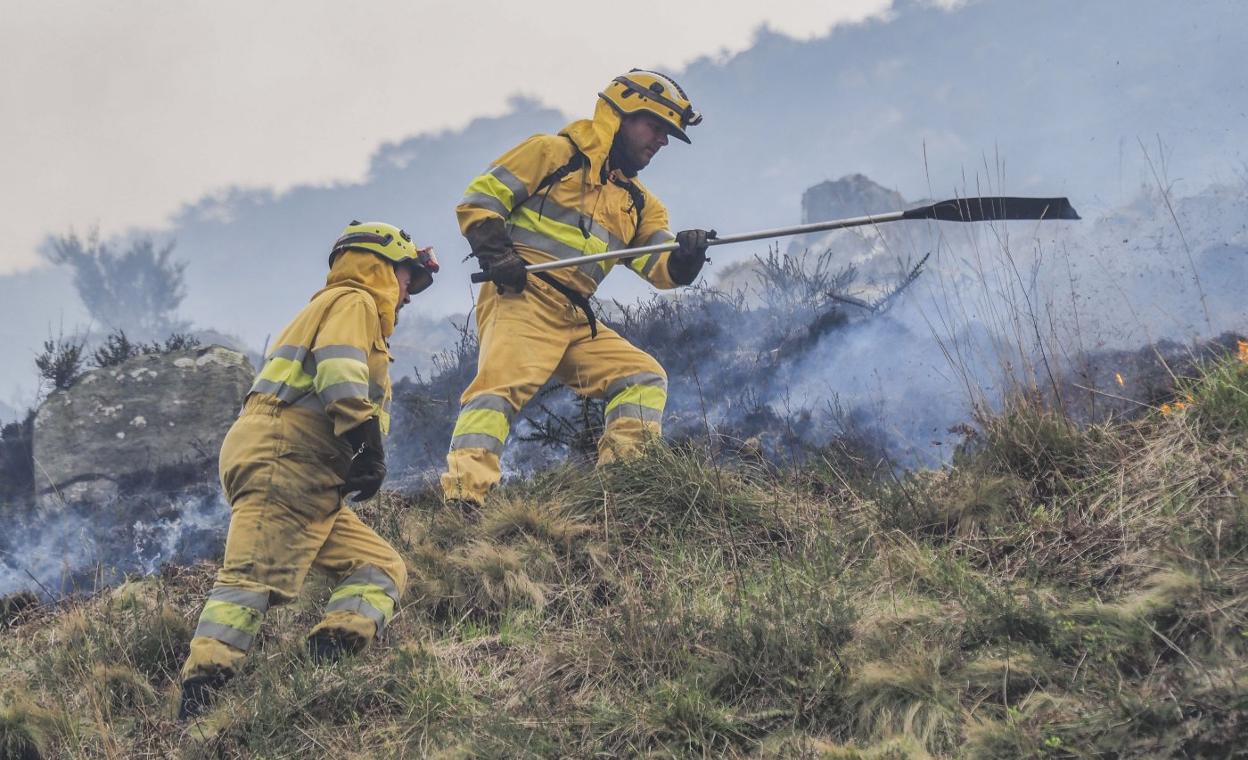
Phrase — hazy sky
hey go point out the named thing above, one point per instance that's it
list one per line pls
(114, 114)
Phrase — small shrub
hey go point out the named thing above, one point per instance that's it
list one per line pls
(180, 341)
(117, 349)
(61, 362)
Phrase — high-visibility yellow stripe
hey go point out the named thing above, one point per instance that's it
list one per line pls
(566, 234)
(291, 373)
(484, 421)
(643, 395)
(374, 595)
(233, 615)
(638, 264)
(342, 370)
(493, 187)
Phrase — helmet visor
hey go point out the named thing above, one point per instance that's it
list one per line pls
(421, 280)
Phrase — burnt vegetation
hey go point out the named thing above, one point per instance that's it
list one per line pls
(1061, 590)
(729, 352)
(766, 582)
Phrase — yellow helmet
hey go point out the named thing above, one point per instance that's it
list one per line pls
(641, 90)
(392, 244)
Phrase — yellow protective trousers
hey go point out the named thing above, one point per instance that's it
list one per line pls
(281, 467)
(525, 340)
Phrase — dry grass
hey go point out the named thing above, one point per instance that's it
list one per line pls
(1059, 592)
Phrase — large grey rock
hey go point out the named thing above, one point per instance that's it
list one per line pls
(119, 425)
(852, 195)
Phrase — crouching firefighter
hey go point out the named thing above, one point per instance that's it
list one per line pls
(309, 435)
(562, 197)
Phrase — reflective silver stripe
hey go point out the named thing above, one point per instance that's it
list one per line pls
(485, 201)
(283, 391)
(540, 242)
(225, 634)
(519, 193)
(340, 391)
(491, 402)
(293, 353)
(641, 378)
(375, 391)
(256, 600)
(325, 353)
(573, 218)
(374, 576)
(477, 441)
(643, 413)
(544, 244)
(662, 236)
(360, 606)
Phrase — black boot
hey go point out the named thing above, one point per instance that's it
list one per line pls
(326, 646)
(198, 694)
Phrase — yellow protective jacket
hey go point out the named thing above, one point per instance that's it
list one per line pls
(332, 358)
(589, 211)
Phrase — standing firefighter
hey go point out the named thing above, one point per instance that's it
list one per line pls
(561, 197)
(309, 434)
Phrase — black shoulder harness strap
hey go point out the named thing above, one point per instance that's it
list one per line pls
(577, 161)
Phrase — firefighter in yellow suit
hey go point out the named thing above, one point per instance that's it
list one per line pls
(561, 197)
(310, 433)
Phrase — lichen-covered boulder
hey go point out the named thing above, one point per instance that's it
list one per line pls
(123, 428)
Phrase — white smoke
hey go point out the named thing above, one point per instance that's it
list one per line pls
(1019, 305)
(80, 550)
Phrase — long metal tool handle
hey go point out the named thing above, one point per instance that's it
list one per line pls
(984, 209)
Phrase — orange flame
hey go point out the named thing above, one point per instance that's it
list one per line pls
(1243, 351)
(1121, 382)
(1175, 408)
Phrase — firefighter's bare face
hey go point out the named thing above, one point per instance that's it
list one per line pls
(641, 136)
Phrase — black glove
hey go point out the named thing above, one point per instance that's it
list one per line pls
(368, 460)
(686, 261)
(492, 246)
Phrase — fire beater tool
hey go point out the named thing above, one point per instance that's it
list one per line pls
(984, 209)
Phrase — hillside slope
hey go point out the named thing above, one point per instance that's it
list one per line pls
(1057, 592)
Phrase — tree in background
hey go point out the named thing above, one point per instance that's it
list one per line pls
(136, 290)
